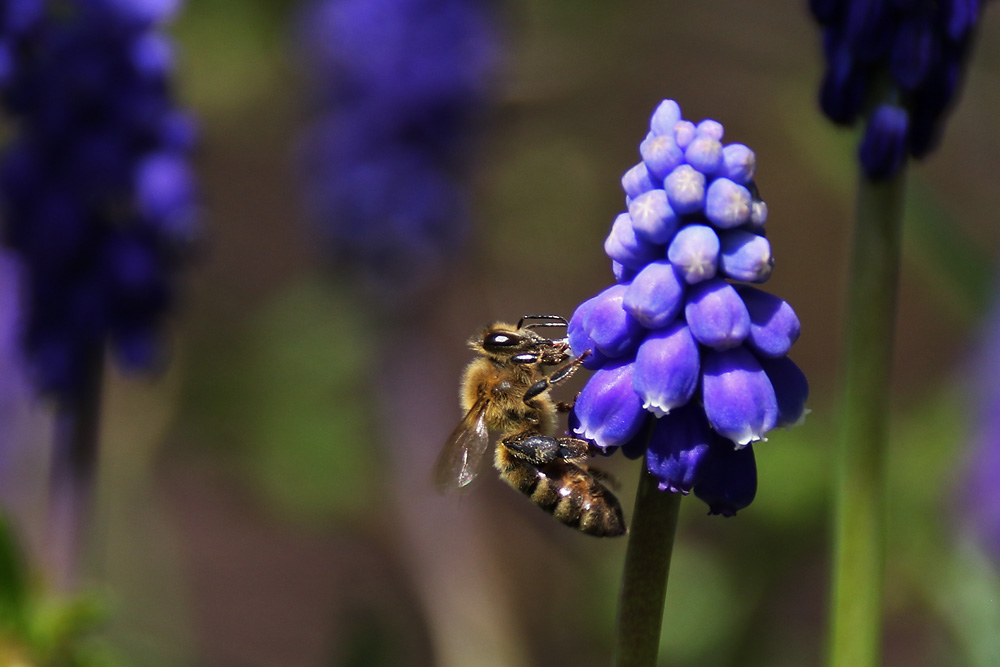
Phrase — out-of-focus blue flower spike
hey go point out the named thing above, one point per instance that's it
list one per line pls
(738, 397)
(883, 147)
(959, 17)
(652, 218)
(745, 256)
(774, 326)
(842, 92)
(579, 340)
(704, 153)
(637, 180)
(677, 446)
(727, 203)
(791, 389)
(655, 296)
(716, 314)
(868, 28)
(137, 12)
(608, 410)
(826, 11)
(623, 246)
(931, 102)
(19, 16)
(914, 50)
(666, 116)
(685, 188)
(661, 155)
(153, 55)
(667, 369)
(739, 163)
(728, 478)
(694, 252)
(684, 133)
(614, 331)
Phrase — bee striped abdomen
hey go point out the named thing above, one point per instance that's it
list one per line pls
(566, 491)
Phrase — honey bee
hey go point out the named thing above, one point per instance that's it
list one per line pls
(506, 390)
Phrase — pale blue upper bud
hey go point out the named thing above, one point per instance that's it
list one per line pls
(667, 369)
(622, 245)
(661, 155)
(727, 204)
(684, 133)
(716, 314)
(655, 296)
(665, 117)
(791, 389)
(745, 256)
(678, 444)
(685, 188)
(774, 326)
(712, 128)
(613, 331)
(739, 163)
(737, 395)
(695, 253)
(704, 153)
(608, 410)
(637, 180)
(652, 217)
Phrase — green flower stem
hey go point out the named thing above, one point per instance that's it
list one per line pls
(860, 515)
(72, 471)
(644, 581)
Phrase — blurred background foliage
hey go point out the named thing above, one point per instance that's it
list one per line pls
(267, 501)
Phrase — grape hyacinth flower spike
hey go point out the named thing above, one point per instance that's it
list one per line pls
(99, 204)
(690, 361)
(688, 357)
(898, 63)
(387, 151)
(896, 67)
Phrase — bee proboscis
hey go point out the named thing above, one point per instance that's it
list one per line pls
(506, 390)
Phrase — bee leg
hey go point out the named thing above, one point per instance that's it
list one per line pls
(562, 406)
(540, 449)
(559, 375)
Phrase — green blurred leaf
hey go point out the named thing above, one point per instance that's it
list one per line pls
(13, 581)
(960, 269)
(310, 447)
(232, 53)
(794, 468)
(967, 591)
(703, 606)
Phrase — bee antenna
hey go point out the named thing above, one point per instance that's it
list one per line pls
(557, 321)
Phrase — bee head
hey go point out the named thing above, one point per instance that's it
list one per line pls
(503, 341)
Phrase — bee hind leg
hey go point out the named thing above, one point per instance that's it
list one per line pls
(540, 449)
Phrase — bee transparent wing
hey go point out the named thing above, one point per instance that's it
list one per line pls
(463, 452)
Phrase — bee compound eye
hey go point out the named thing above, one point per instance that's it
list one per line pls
(499, 339)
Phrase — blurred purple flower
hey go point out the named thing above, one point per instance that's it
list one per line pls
(979, 487)
(395, 88)
(687, 362)
(910, 54)
(96, 192)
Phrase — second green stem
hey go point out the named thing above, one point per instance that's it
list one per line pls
(860, 514)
